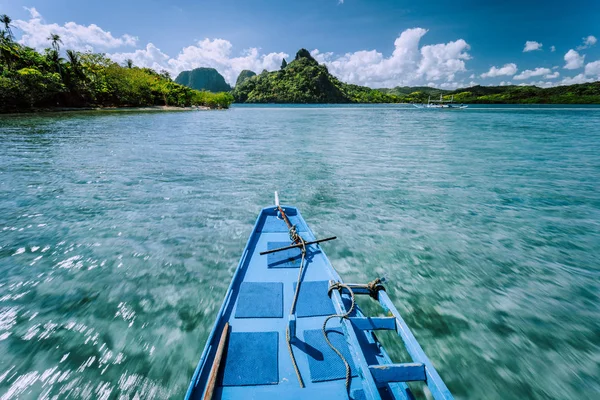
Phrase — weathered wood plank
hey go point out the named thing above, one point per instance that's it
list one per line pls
(214, 371)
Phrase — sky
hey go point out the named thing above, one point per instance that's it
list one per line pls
(376, 43)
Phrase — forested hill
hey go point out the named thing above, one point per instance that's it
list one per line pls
(30, 80)
(585, 93)
(208, 79)
(304, 80)
(245, 74)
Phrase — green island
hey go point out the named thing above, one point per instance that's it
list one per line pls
(584, 93)
(304, 80)
(208, 79)
(32, 81)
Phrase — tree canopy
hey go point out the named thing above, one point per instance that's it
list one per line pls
(31, 80)
(585, 93)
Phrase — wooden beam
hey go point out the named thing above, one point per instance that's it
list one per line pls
(214, 371)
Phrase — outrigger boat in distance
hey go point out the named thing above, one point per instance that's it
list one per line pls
(441, 103)
(289, 327)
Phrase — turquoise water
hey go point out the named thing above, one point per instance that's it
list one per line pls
(119, 233)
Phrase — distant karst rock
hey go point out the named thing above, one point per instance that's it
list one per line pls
(203, 79)
(303, 81)
(245, 74)
(303, 53)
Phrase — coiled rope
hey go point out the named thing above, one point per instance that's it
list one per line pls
(338, 286)
(295, 238)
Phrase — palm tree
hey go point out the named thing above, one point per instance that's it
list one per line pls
(129, 63)
(8, 52)
(54, 57)
(74, 60)
(73, 57)
(5, 19)
(55, 41)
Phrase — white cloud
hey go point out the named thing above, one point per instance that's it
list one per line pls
(505, 83)
(506, 69)
(408, 64)
(35, 34)
(588, 41)
(573, 60)
(215, 53)
(532, 72)
(591, 74)
(553, 75)
(531, 45)
(450, 85)
(150, 57)
(33, 12)
(542, 84)
(581, 78)
(593, 69)
(553, 48)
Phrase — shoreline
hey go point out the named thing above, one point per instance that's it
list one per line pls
(108, 109)
(58, 110)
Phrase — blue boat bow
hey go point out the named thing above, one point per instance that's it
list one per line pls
(256, 351)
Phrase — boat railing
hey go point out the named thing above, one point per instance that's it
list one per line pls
(395, 375)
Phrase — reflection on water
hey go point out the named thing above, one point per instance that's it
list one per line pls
(119, 234)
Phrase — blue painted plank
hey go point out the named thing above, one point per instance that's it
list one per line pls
(407, 372)
(374, 323)
(273, 224)
(283, 259)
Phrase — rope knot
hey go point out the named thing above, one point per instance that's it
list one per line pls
(294, 237)
(334, 286)
(374, 287)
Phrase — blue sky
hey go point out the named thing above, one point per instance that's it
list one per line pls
(376, 43)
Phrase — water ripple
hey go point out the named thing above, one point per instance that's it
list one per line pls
(119, 234)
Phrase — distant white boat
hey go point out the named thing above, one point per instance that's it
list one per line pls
(441, 103)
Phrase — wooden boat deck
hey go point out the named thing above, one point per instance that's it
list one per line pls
(256, 363)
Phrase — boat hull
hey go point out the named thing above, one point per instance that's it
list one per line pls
(247, 353)
(444, 107)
